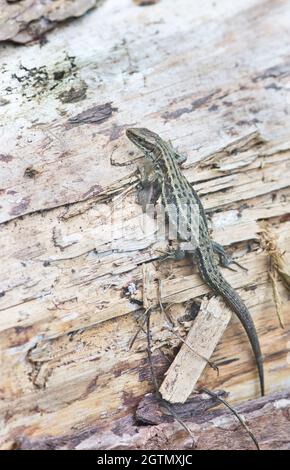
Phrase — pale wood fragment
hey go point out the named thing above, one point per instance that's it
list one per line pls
(214, 80)
(194, 354)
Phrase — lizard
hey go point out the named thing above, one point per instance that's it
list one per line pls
(175, 190)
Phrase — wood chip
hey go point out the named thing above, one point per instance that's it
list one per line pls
(203, 337)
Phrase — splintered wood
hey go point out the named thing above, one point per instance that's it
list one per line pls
(30, 19)
(197, 348)
(67, 281)
(196, 351)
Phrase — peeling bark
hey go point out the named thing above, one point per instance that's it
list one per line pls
(27, 20)
(71, 288)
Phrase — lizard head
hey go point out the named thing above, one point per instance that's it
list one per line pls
(144, 139)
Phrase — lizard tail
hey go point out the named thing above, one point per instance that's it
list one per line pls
(235, 302)
(221, 287)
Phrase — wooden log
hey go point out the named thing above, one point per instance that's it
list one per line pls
(214, 80)
(213, 429)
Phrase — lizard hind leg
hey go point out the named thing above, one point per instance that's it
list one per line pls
(225, 259)
(173, 253)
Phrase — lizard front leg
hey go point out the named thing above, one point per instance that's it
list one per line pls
(150, 189)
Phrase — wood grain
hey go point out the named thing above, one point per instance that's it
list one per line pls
(212, 78)
(195, 352)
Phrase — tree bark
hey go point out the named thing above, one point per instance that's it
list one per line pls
(214, 80)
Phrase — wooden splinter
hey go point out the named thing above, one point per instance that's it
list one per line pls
(202, 338)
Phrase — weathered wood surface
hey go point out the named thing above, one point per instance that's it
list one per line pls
(211, 428)
(215, 79)
(22, 21)
(268, 419)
